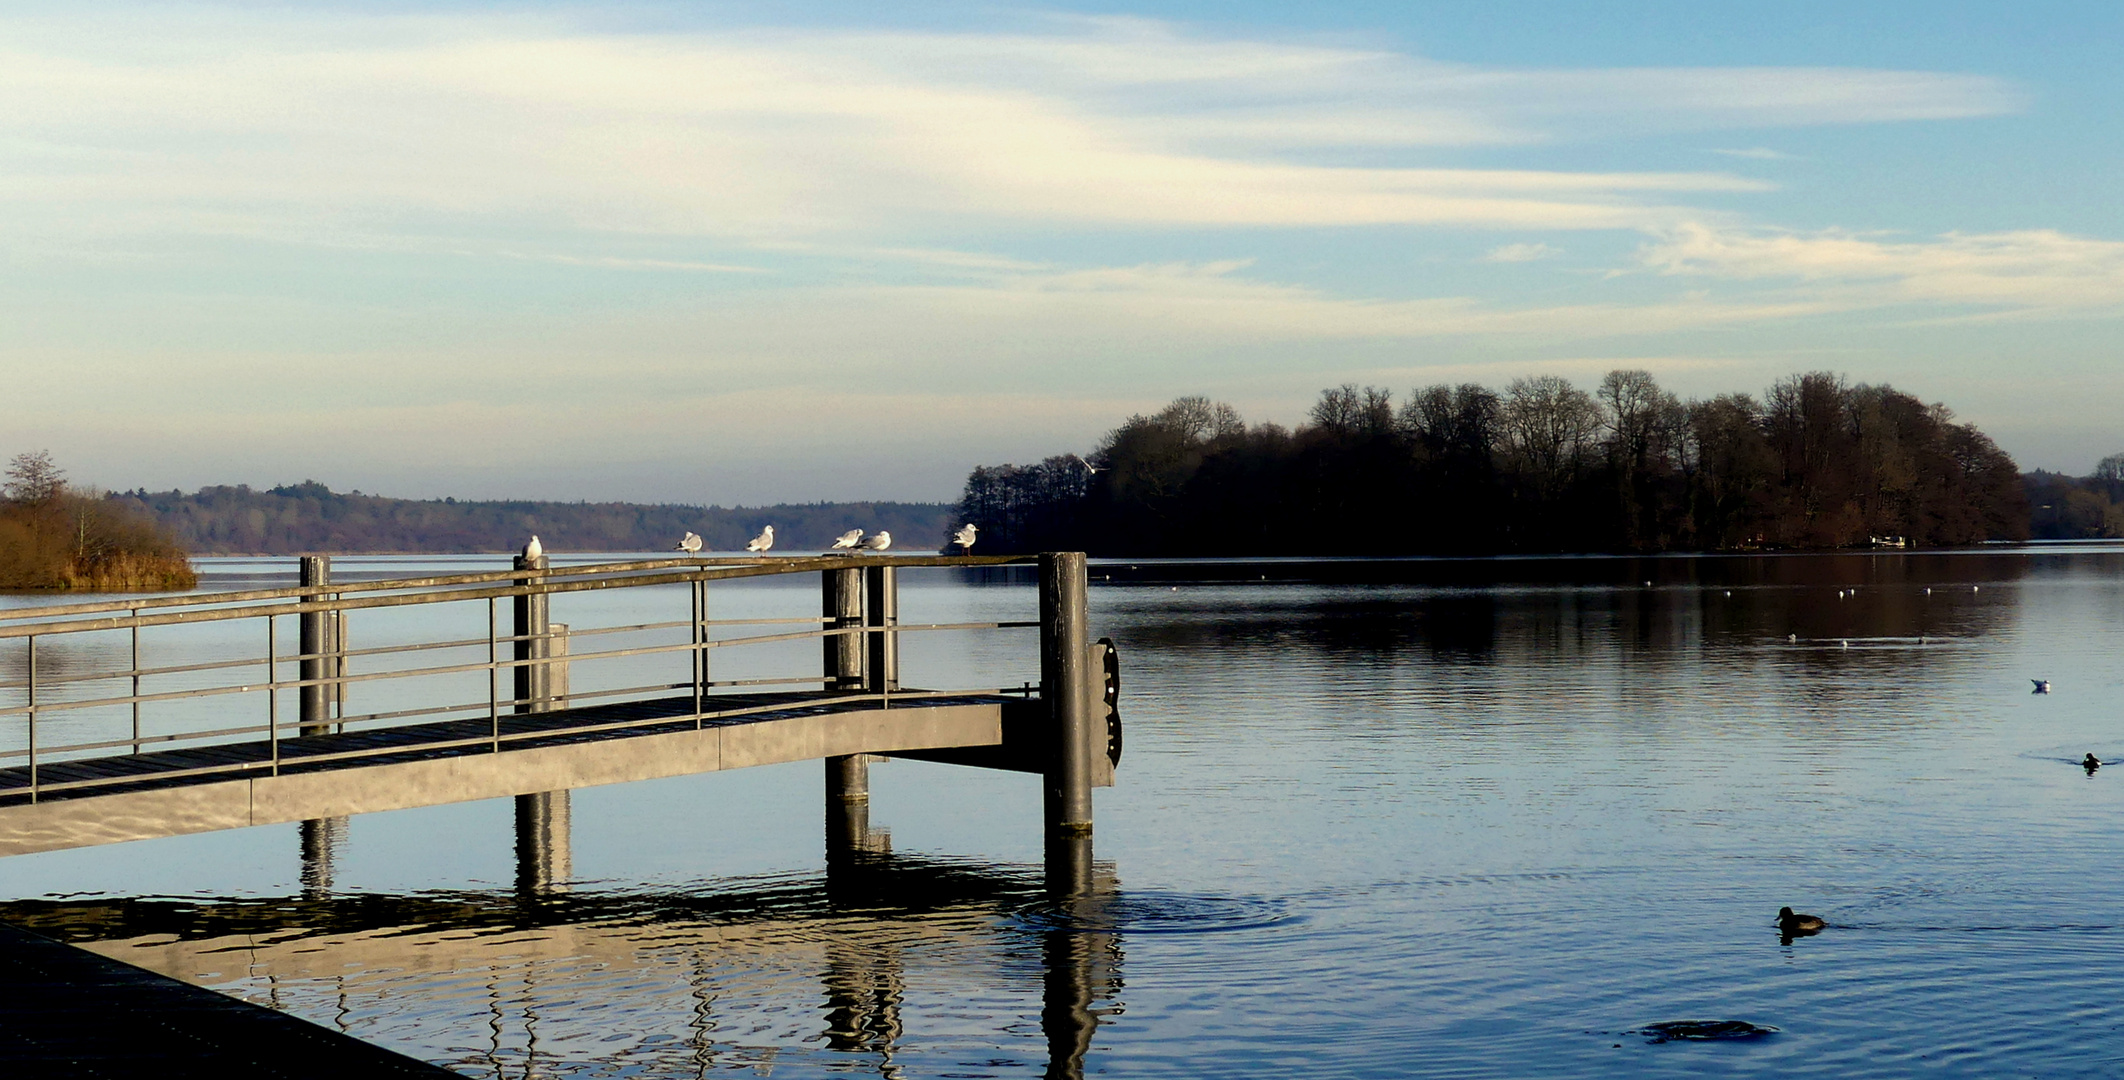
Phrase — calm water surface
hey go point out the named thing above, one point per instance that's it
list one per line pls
(1375, 819)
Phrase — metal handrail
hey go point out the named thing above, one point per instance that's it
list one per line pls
(712, 568)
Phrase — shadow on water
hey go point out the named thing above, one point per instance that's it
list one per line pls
(854, 928)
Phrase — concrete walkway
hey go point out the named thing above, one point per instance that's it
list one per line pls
(67, 1013)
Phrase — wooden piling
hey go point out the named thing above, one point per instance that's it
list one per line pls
(847, 775)
(316, 645)
(531, 647)
(543, 856)
(1065, 684)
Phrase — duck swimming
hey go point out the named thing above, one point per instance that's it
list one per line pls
(2092, 763)
(2042, 686)
(1791, 924)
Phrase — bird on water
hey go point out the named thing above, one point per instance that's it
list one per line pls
(850, 539)
(2042, 686)
(1794, 924)
(763, 541)
(878, 541)
(2092, 763)
(689, 545)
(534, 549)
(964, 538)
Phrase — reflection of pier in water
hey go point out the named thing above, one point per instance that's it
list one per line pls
(856, 931)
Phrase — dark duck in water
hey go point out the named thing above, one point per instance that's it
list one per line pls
(1792, 925)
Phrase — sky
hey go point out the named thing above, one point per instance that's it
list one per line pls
(757, 253)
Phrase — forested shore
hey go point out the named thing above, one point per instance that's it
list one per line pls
(55, 537)
(309, 516)
(1541, 466)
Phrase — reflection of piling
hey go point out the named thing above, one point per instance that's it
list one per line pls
(864, 988)
(1079, 958)
(321, 839)
(543, 862)
(1065, 684)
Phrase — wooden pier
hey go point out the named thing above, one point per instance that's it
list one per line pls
(238, 739)
(322, 763)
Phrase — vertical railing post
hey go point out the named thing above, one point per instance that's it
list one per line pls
(315, 643)
(881, 612)
(33, 716)
(1065, 686)
(700, 650)
(493, 679)
(847, 775)
(136, 682)
(273, 690)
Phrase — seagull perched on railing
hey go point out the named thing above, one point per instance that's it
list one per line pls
(763, 541)
(964, 538)
(534, 549)
(850, 539)
(878, 541)
(690, 545)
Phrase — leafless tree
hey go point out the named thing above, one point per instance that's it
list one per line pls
(33, 479)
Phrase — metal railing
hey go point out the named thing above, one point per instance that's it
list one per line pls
(537, 653)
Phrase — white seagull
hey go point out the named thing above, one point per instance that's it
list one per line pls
(878, 541)
(851, 539)
(689, 545)
(964, 538)
(534, 549)
(763, 541)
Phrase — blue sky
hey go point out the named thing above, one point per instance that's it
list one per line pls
(789, 252)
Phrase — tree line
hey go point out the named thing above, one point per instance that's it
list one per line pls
(309, 516)
(1541, 466)
(2078, 507)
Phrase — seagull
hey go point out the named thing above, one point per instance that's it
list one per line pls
(964, 538)
(534, 549)
(1791, 639)
(763, 541)
(1089, 467)
(691, 544)
(850, 539)
(877, 541)
(2042, 686)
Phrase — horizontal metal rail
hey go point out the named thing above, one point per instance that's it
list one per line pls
(459, 587)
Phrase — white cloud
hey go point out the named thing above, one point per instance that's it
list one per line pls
(1758, 153)
(1519, 253)
(2031, 270)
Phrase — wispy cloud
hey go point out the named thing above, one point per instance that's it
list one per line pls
(2033, 270)
(282, 124)
(1758, 153)
(1519, 253)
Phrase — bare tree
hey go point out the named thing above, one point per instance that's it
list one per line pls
(33, 479)
(1548, 424)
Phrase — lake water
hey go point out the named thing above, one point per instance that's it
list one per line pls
(1424, 818)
